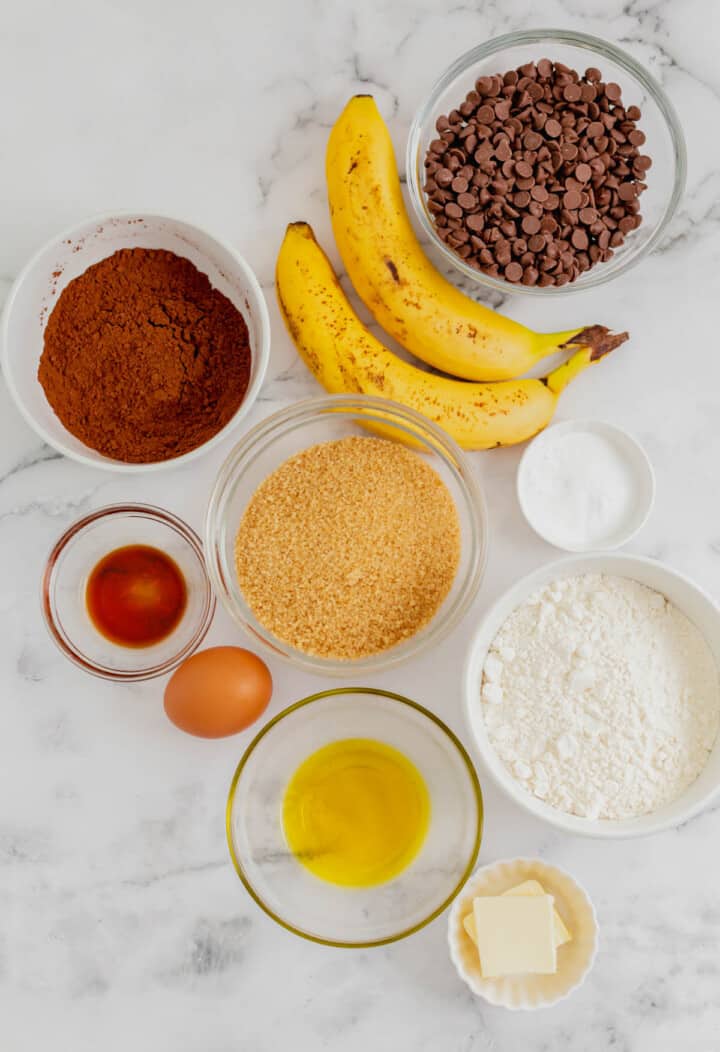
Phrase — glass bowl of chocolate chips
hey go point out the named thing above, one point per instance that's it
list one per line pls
(545, 161)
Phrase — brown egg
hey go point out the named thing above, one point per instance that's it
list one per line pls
(218, 691)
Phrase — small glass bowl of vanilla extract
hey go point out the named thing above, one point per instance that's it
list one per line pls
(125, 592)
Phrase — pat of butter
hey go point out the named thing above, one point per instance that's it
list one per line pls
(528, 887)
(515, 935)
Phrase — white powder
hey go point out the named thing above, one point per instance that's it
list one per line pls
(601, 697)
(578, 488)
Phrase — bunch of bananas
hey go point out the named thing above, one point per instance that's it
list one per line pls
(416, 305)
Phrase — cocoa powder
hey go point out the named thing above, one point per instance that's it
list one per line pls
(143, 359)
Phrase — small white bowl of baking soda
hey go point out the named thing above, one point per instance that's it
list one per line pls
(585, 485)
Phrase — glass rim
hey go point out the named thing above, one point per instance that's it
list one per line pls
(374, 409)
(477, 795)
(63, 641)
(596, 46)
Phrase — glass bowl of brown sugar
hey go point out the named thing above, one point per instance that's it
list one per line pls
(346, 532)
(544, 162)
(135, 342)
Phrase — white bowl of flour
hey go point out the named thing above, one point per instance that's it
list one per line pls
(592, 694)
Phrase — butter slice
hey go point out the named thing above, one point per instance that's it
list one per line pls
(528, 887)
(515, 935)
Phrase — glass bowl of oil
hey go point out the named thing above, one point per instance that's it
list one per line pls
(125, 592)
(354, 817)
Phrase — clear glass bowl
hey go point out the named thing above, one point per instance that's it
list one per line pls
(665, 142)
(328, 913)
(64, 582)
(304, 424)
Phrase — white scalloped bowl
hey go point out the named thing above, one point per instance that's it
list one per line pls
(575, 958)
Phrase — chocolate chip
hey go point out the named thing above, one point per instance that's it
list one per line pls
(553, 128)
(627, 191)
(572, 199)
(613, 92)
(459, 184)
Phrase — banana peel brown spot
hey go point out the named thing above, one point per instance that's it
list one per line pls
(393, 270)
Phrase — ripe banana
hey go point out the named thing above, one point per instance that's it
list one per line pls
(395, 279)
(346, 358)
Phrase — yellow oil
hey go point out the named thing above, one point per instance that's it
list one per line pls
(356, 812)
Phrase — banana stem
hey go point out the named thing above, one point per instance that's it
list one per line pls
(597, 338)
(547, 342)
(559, 378)
(594, 342)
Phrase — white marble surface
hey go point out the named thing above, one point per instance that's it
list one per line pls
(122, 924)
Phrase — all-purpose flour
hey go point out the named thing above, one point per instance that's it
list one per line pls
(601, 697)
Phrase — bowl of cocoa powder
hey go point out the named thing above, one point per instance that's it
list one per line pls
(545, 161)
(135, 342)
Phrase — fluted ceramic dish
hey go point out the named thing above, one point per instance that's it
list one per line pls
(328, 913)
(574, 958)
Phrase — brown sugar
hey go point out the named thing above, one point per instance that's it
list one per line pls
(348, 548)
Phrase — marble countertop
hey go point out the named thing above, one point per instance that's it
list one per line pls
(122, 923)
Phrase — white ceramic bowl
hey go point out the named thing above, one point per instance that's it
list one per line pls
(574, 959)
(688, 597)
(66, 256)
(635, 460)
